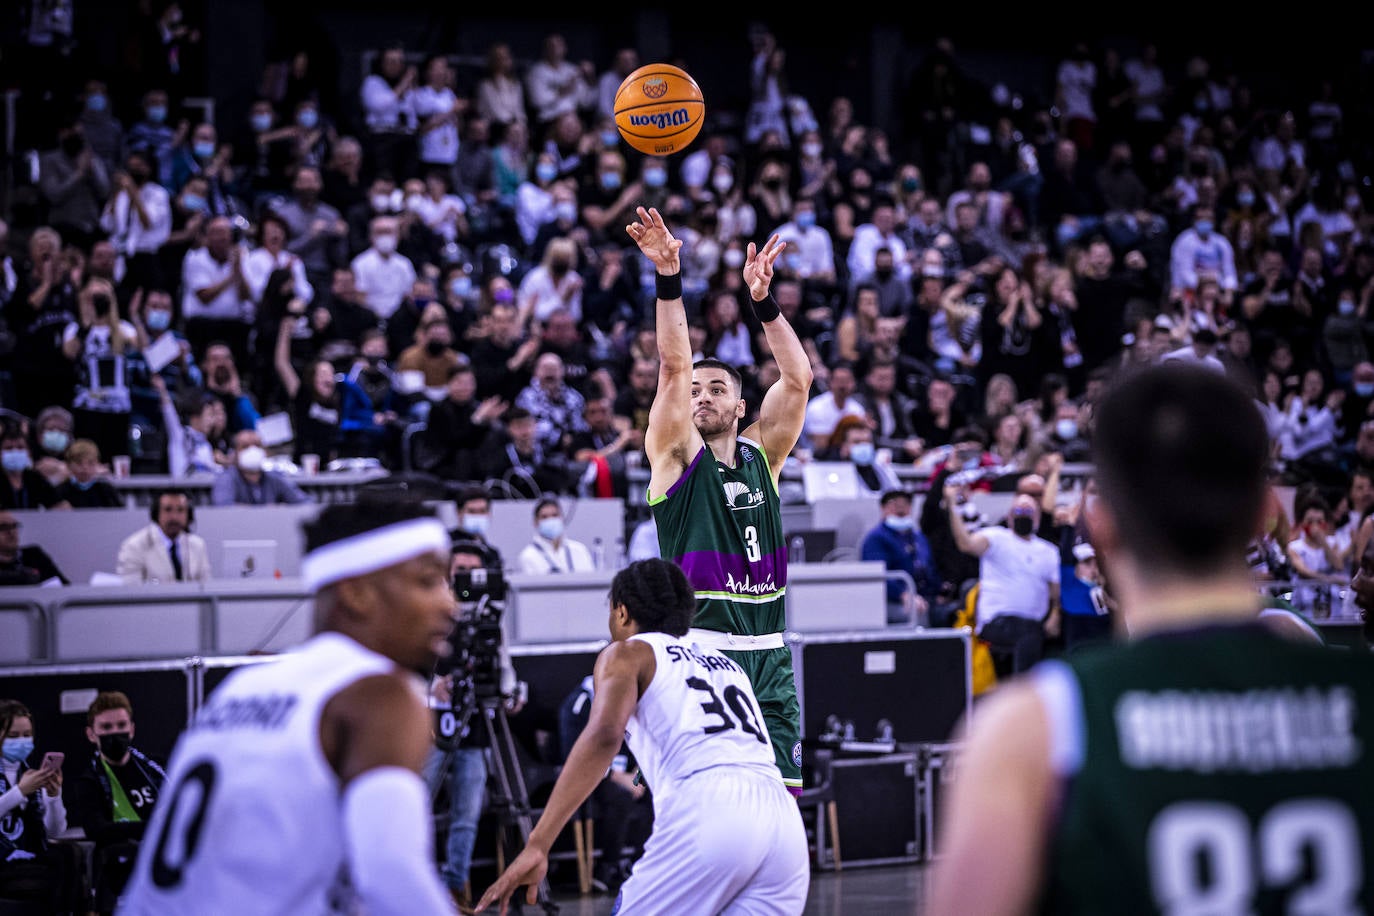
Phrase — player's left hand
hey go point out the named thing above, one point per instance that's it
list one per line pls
(758, 265)
(527, 869)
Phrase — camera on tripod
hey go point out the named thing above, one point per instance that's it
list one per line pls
(474, 656)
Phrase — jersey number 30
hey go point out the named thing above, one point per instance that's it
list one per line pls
(1187, 833)
(740, 703)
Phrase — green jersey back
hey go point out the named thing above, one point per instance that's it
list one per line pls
(1224, 770)
(723, 526)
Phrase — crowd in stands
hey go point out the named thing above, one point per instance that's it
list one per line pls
(431, 274)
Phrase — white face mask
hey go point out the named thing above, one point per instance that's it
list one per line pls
(722, 183)
(386, 244)
(251, 458)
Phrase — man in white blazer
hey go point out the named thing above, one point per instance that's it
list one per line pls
(165, 551)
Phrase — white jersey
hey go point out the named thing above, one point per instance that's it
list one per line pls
(250, 818)
(698, 712)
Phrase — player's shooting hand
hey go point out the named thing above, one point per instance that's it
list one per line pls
(528, 869)
(653, 238)
(758, 265)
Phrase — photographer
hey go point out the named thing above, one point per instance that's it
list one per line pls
(457, 762)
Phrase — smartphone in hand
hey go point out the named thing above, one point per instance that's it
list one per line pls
(52, 760)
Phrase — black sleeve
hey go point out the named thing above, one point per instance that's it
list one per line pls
(37, 558)
(88, 809)
(44, 493)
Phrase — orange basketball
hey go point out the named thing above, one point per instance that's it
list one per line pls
(659, 109)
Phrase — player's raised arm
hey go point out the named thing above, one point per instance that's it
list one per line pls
(671, 440)
(783, 411)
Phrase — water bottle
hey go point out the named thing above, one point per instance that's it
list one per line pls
(796, 549)
(598, 553)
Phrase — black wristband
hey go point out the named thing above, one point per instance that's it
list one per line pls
(668, 287)
(766, 308)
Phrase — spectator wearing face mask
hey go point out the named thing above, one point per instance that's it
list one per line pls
(810, 242)
(551, 550)
(1018, 581)
(53, 431)
(152, 319)
(248, 483)
(21, 486)
(553, 284)
(382, 275)
(900, 546)
(85, 488)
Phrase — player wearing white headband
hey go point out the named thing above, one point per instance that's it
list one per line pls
(297, 789)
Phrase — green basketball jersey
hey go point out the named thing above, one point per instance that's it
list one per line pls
(1224, 770)
(723, 526)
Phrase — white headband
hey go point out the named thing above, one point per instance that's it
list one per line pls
(373, 550)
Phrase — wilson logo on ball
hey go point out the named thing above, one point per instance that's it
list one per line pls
(655, 88)
(663, 119)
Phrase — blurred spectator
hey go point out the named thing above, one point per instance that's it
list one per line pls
(823, 411)
(53, 431)
(165, 550)
(512, 454)
(153, 137)
(852, 442)
(22, 487)
(500, 93)
(201, 153)
(441, 211)
(315, 231)
(342, 182)
(217, 302)
(504, 358)
(75, 184)
(889, 411)
(1070, 203)
(84, 488)
(901, 547)
(551, 550)
(389, 114)
(328, 413)
(556, 86)
(248, 483)
(457, 427)
(432, 354)
(556, 407)
(33, 868)
(138, 218)
(935, 420)
(1200, 251)
(437, 109)
(222, 380)
(97, 344)
(189, 422)
(26, 565)
(1087, 617)
(1074, 94)
(382, 275)
(102, 129)
(811, 242)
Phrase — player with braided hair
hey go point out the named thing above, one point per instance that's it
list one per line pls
(690, 717)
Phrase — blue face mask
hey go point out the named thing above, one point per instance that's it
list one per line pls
(97, 102)
(460, 287)
(157, 113)
(1203, 227)
(1364, 389)
(609, 138)
(195, 203)
(56, 441)
(655, 178)
(545, 172)
(566, 212)
(308, 118)
(477, 524)
(806, 220)
(1245, 199)
(17, 750)
(900, 522)
(551, 528)
(610, 181)
(15, 460)
(158, 320)
(862, 453)
(262, 122)
(203, 150)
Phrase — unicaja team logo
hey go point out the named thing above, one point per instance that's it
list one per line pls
(655, 87)
(738, 495)
(797, 754)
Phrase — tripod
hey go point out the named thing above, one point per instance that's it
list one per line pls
(508, 798)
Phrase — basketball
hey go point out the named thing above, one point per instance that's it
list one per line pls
(659, 109)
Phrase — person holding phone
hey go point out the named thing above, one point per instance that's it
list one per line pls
(31, 814)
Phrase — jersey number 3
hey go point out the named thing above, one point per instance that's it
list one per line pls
(1186, 834)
